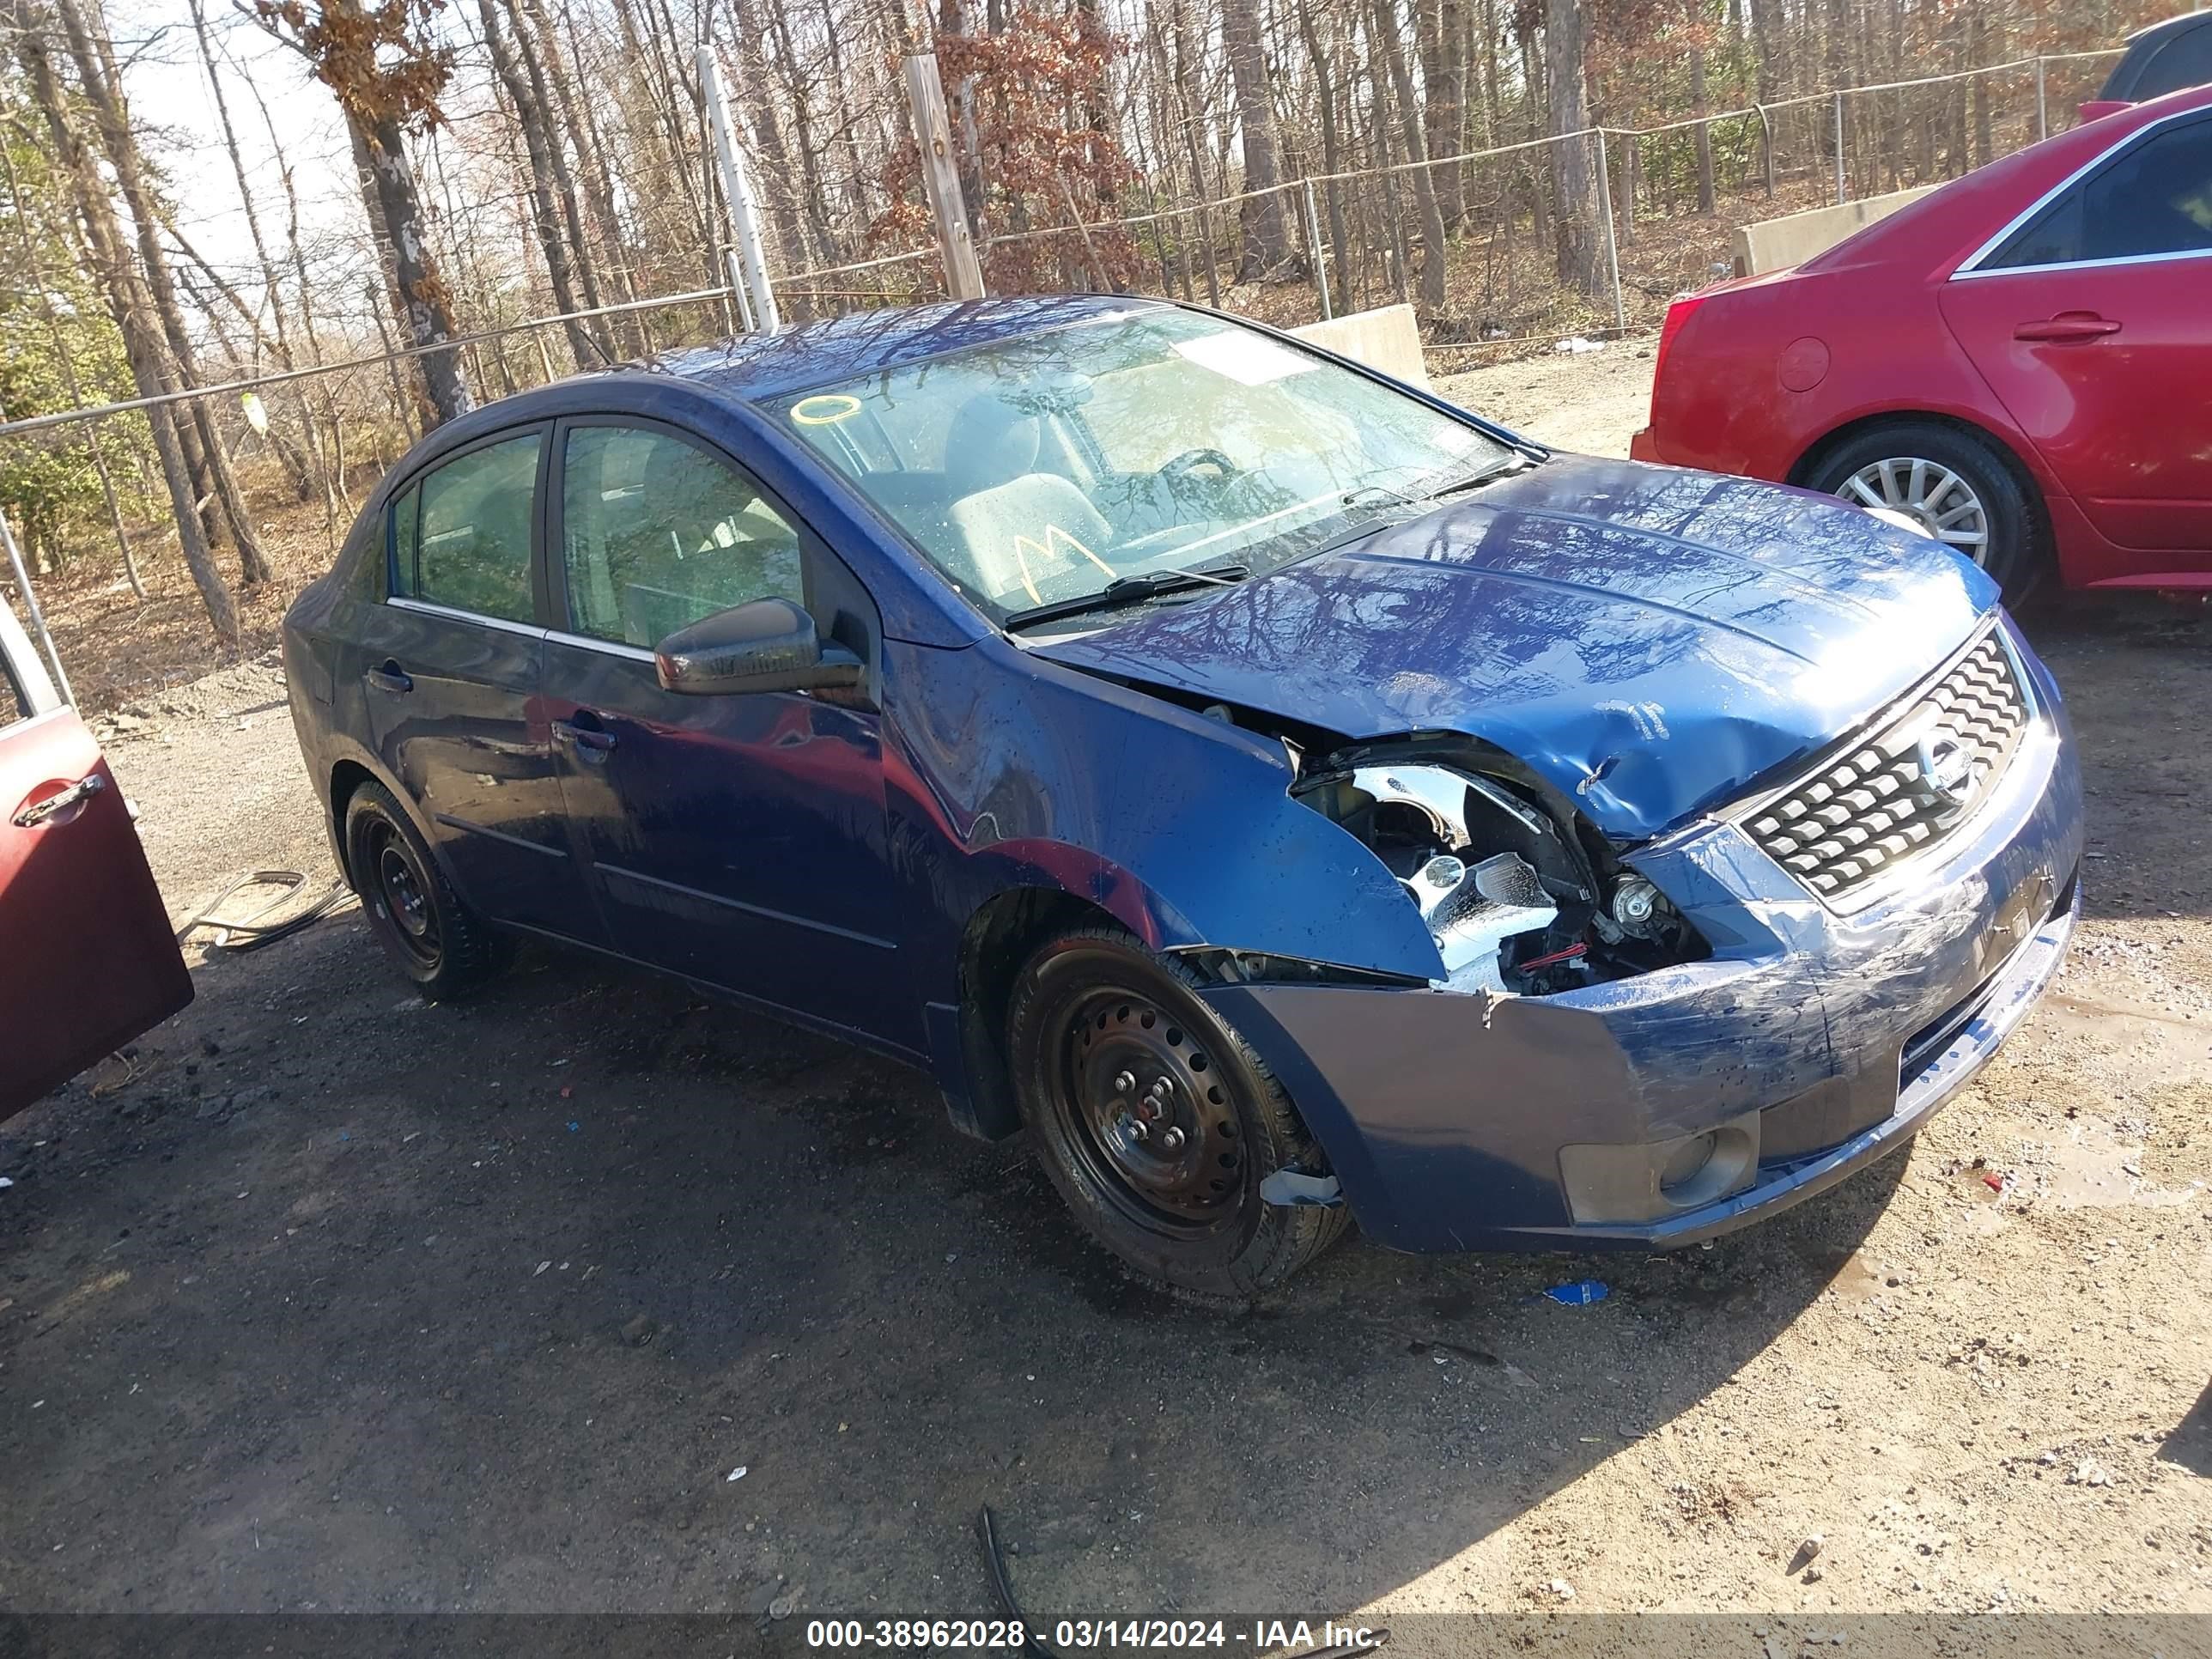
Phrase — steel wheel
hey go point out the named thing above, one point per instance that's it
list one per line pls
(399, 898)
(1150, 1117)
(437, 941)
(1155, 1121)
(1945, 504)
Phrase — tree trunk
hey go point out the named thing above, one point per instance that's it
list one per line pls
(127, 300)
(542, 63)
(334, 470)
(103, 92)
(308, 479)
(1417, 151)
(65, 361)
(530, 114)
(1266, 235)
(1702, 130)
(1574, 190)
(424, 304)
(1446, 122)
(1332, 156)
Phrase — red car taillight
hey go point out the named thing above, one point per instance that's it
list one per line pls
(1677, 314)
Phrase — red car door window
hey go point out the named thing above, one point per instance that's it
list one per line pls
(2091, 324)
(87, 961)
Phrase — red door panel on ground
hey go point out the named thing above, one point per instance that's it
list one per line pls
(87, 959)
(2093, 325)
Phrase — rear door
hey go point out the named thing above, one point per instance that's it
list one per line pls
(87, 960)
(737, 839)
(2091, 318)
(449, 666)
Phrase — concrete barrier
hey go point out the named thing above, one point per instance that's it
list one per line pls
(1774, 244)
(1387, 338)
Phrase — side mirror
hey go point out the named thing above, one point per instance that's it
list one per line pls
(769, 644)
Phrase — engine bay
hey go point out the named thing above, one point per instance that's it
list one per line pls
(1516, 903)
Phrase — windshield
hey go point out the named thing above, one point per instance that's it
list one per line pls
(1036, 470)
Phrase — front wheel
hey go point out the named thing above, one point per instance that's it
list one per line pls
(1155, 1121)
(1955, 486)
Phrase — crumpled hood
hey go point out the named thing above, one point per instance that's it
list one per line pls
(1648, 640)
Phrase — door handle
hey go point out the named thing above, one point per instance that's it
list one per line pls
(591, 744)
(55, 805)
(389, 677)
(2067, 326)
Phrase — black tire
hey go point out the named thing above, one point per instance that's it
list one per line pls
(2016, 552)
(1094, 1004)
(441, 944)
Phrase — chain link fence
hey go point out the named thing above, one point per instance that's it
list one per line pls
(1658, 210)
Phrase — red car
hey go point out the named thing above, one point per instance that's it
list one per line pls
(2022, 361)
(87, 961)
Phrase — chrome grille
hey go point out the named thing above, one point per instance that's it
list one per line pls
(1904, 788)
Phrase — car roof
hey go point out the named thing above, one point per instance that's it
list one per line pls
(2170, 26)
(801, 355)
(1956, 217)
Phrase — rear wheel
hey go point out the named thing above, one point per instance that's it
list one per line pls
(438, 941)
(1154, 1120)
(1956, 486)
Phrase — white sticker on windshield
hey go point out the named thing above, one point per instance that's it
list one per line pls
(1247, 359)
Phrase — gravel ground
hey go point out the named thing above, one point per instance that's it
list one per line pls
(322, 1299)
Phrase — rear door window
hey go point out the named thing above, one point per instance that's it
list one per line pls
(461, 536)
(2153, 198)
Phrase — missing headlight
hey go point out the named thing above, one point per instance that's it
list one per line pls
(1512, 899)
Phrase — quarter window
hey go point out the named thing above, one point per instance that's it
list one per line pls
(657, 534)
(461, 536)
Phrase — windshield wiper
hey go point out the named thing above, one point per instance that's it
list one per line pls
(1130, 590)
(1518, 461)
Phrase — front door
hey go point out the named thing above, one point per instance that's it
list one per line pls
(2093, 323)
(449, 666)
(738, 840)
(87, 961)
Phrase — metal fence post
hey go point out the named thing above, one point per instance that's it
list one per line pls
(925, 97)
(1314, 252)
(1612, 248)
(1840, 187)
(2042, 109)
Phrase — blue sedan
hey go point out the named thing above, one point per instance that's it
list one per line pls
(1285, 795)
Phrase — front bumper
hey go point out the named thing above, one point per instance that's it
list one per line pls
(1445, 1115)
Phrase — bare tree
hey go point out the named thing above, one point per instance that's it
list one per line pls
(1267, 238)
(132, 309)
(387, 71)
(102, 90)
(1574, 189)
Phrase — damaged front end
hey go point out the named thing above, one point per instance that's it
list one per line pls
(1518, 899)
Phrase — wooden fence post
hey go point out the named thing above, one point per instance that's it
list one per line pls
(925, 97)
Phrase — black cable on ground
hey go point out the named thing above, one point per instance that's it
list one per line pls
(250, 931)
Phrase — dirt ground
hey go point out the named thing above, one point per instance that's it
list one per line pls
(591, 1296)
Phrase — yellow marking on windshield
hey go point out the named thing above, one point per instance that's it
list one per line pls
(1053, 537)
(825, 409)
